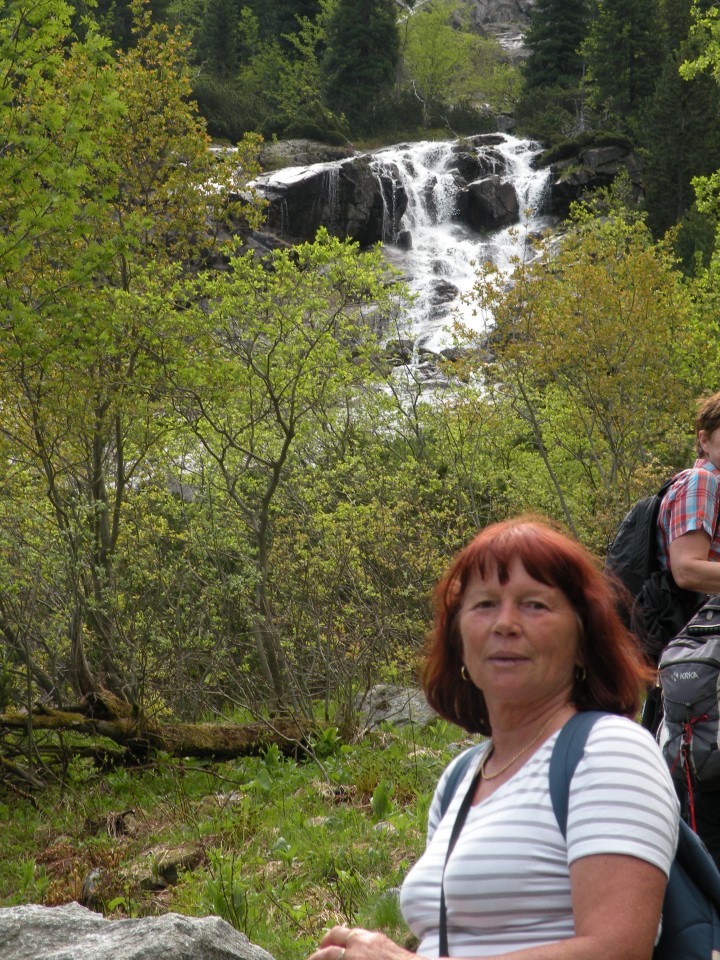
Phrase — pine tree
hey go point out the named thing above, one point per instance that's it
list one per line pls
(363, 49)
(218, 42)
(276, 18)
(115, 17)
(557, 29)
(680, 133)
(622, 56)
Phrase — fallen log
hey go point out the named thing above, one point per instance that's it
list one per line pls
(141, 736)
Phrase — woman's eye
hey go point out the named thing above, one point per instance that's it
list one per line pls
(536, 604)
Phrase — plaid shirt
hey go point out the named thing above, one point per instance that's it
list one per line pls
(691, 503)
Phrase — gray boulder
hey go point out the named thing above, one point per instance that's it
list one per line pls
(72, 932)
(388, 703)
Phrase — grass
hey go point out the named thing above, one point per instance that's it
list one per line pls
(280, 849)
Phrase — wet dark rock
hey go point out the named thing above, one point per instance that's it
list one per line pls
(443, 292)
(399, 352)
(349, 199)
(488, 204)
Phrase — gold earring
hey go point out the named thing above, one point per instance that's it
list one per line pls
(464, 674)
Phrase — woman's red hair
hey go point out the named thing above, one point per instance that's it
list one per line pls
(616, 671)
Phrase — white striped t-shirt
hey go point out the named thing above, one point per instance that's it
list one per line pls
(507, 885)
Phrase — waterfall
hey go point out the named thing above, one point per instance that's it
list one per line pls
(440, 208)
(440, 265)
(332, 189)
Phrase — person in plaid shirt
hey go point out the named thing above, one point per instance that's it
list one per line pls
(689, 537)
(688, 521)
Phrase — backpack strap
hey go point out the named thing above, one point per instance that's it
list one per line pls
(455, 776)
(569, 748)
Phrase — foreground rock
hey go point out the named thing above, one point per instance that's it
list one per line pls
(72, 932)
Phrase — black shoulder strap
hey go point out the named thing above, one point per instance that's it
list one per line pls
(455, 776)
(457, 827)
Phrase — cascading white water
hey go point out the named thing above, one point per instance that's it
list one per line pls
(440, 266)
(432, 244)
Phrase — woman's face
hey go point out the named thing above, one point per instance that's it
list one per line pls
(520, 639)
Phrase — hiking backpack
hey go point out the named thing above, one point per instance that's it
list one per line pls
(632, 555)
(691, 909)
(689, 734)
(660, 608)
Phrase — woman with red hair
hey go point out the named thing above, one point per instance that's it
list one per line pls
(526, 634)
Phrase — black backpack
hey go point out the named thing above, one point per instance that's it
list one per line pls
(689, 734)
(660, 608)
(632, 553)
(691, 908)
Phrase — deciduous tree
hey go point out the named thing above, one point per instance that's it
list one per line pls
(278, 348)
(596, 351)
(105, 189)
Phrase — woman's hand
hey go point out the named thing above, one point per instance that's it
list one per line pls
(344, 943)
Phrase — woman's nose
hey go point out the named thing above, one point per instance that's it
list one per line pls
(506, 620)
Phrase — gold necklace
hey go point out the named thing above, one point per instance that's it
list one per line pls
(541, 731)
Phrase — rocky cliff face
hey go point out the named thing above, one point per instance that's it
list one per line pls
(584, 168)
(499, 11)
(506, 20)
(350, 199)
(364, 198)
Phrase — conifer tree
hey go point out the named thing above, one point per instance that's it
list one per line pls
(363, 49)
(278, 18)
(681, 137)
(218, 41)
(680, 131)
(557, 29)
(622, 56)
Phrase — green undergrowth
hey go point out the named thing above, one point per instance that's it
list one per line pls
(279, 848)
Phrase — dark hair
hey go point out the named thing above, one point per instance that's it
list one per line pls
(707, 418)
(615, 669)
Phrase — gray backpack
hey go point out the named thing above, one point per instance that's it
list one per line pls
(689, 734)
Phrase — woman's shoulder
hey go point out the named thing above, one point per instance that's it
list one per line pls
(460, 765)
(617, 724)
(613, 726)
(622, 743)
